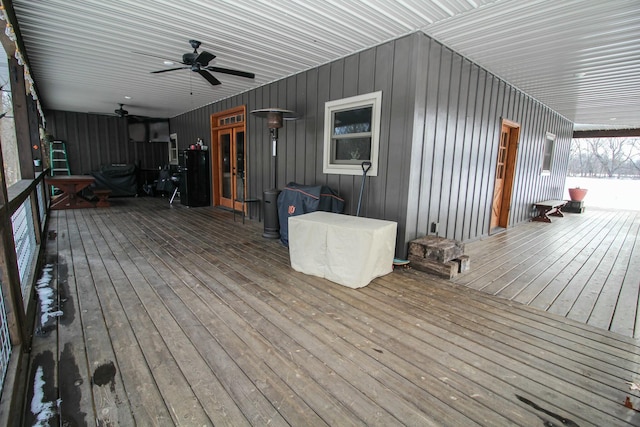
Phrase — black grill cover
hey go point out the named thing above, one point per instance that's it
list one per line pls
(297, 199)
(120, 179)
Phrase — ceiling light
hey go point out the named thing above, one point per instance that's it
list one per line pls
(168, 63)
(580, 75)
(127, 97)
(613, 118)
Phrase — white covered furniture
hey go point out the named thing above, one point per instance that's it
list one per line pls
(345, 249)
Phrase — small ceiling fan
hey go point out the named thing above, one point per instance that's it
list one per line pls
(121, 112)
(199, 62)
(124, 114)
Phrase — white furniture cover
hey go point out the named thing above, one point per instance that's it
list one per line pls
(345, 249)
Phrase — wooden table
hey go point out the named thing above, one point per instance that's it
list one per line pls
(70, 185)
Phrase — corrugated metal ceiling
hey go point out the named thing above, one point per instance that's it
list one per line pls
(580, 57)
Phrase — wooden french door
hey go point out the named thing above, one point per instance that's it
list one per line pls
(228, 131)
(231, 166)
(505, 171)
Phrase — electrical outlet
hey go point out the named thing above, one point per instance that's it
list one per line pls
(434, 227)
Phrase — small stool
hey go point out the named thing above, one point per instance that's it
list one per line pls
(103, 197)
(249, 201)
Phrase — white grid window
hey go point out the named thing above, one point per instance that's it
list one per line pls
(352, 134)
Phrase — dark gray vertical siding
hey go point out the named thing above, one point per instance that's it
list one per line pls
(432, 77)
(258, 151)
(455, 131)
(352, 78)
(491, 121)
(300, 134)
(458, 199)
(467, 177)
(311, 125)
(324, 95)
(416, 162)
(394, 152)
(279, 97)
(378, 187)
(94, 140)
(439, 143)
(460, 125)
(440, 127)
(290, 155)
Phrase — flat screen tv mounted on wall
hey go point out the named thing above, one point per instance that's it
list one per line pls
(149, 130)
(158, 131)
(137, 131)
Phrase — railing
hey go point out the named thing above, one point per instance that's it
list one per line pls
(5, 342)
(22, 224)
(24, 236)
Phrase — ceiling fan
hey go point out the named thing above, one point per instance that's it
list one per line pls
(121, 112)
(199, 62)
(124, 114)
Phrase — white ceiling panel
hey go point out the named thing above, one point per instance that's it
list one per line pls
(580, 57)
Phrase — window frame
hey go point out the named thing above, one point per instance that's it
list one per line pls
(548, 151)
(172, 146)
(332, 166)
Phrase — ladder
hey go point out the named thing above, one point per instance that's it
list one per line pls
(58, 161)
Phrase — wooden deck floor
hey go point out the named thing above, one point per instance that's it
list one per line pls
(177, 316)
(584, 266)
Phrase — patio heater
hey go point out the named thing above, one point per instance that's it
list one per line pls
(275, 117)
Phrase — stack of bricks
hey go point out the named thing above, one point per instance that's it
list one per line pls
(439, 256)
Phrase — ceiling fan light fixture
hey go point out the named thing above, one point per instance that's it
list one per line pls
(199, 62)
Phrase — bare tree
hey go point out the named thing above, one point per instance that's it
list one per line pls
(612, 154)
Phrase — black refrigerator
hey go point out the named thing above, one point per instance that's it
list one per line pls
(195, 182)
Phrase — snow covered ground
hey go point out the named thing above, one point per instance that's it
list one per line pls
(607, 192)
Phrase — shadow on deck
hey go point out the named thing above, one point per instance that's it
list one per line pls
(176, 316)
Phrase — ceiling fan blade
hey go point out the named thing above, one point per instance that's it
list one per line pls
(204, 58)
(169, 69)
(209, 77)
(232, 72)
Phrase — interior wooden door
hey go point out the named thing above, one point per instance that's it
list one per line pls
(505, 171)
(231, 167)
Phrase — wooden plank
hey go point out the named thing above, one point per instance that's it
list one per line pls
(506, 265)
(625, 318)
(581, 269)
(209, 313)
(180, 403)
(520, 239)
(111, 403)
(503, 272)
(350, 395)
(608, 268)
(414, 348)
(217, 316)
(239, 257)
(73, 372)
(552, 267)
